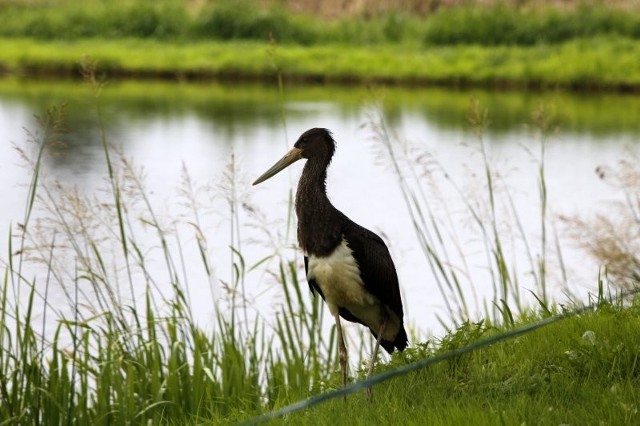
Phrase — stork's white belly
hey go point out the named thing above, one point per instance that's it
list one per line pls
(338, 277)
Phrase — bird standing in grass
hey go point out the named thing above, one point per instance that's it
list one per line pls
(348, 265)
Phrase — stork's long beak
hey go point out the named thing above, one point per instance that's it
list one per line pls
(289, 158)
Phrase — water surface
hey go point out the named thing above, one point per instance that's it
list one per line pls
(210, 129)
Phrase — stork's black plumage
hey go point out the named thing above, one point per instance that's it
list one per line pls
(348, 265)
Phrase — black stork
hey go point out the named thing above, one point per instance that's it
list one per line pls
(348, 265)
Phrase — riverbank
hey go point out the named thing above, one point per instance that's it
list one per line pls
(601, 63)
(523, 45)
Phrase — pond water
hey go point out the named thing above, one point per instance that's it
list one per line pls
(212, 129)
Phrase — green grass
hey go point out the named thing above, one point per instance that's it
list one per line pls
(607, 63)
(583, 370)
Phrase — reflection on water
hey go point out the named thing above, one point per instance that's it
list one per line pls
(163, 127)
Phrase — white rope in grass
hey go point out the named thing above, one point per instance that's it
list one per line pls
(387, 375)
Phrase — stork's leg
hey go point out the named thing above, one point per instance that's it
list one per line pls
(373, 358)
(342, 350)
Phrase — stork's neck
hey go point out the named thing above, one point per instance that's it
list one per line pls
(312, 187)
(319, 223)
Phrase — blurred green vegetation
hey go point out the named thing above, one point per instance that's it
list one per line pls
(507, 25)
(498, 24)
(587, 46)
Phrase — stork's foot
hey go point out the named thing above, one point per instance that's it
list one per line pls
(369, 388)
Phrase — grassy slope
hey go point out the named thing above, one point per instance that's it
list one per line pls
(583, 370)
(598, 62)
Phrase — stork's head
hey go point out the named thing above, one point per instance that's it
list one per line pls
(316, 143)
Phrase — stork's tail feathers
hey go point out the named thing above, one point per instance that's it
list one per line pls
(399, 343)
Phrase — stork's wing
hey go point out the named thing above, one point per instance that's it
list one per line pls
(376, 266)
